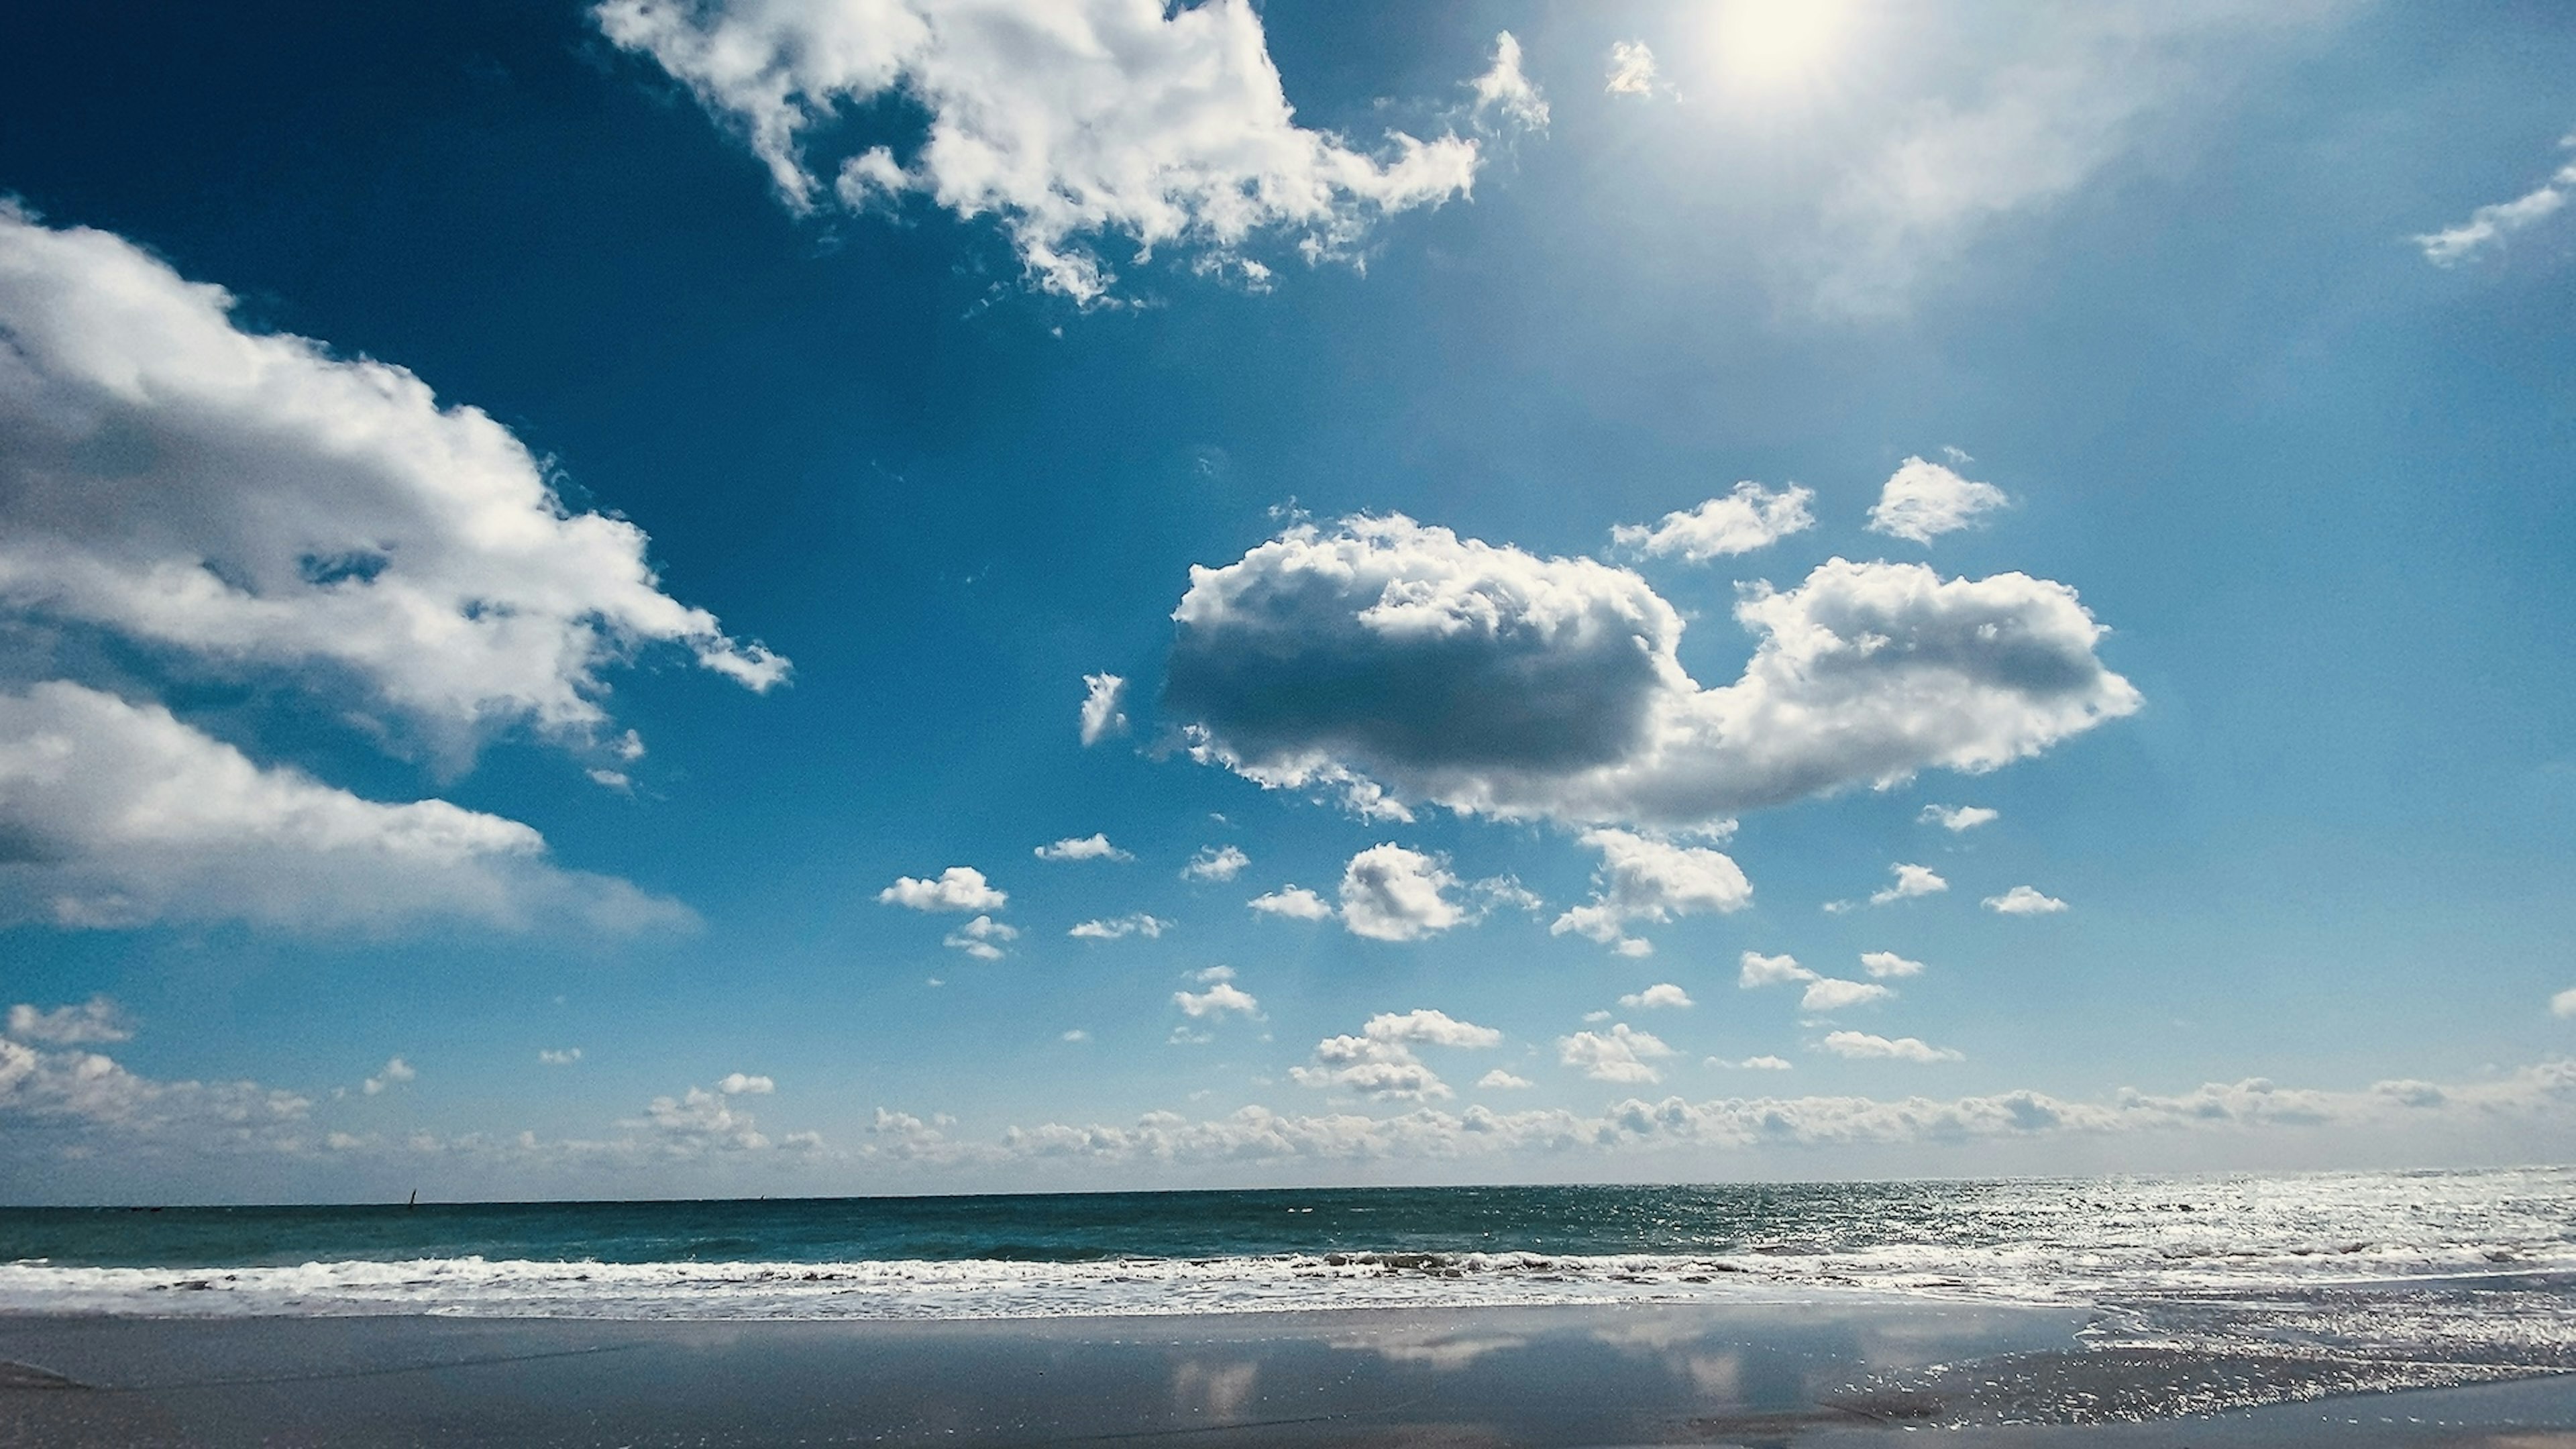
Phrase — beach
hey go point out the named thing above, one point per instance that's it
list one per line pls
(1747, 1374)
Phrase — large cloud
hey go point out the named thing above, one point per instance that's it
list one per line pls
(115, 814)
(251, 500)
(1163, 124)
(1386, 655)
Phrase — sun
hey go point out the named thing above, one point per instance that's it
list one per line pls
(1779, 44)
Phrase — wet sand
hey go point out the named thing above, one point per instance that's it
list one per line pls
(1811, 1376)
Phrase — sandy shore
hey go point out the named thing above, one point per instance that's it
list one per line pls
(1749, 1375)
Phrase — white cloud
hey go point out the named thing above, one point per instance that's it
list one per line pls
(563, 1058)
(958, 888)
(1883, 964)
(2012, 115)
(2488, 226)
(1076, 1034)
(68, 1103)
(1750, 518)
(396, 1070)
(2022, 900)
(1955, 818)
(1380, 1062)
(1504, 89)
(700, 1121)
(2563, 1004)
(1753, 1064)
(1295, 903)
(1828, 994)
(117, 814)
(1924, 500)
(1089, 847)
(1104, 712)
(251, 502)
(1390, 893)
(1402, 659)
(1911, 881)
(1215, 862)
(1429, 1028)
(95, 1020)
(1165, 126)
(1761, 970)
(1661, 994)
(739, 1084)
(1631, 71)
(1499, 1080)
(1216, 1001)
(1212, 973)
(980, 938)
(1139, 924)
(1860, 1045)
(1620, 1054)
(1642, 879)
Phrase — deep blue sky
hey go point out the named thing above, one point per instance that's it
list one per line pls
(2314, 481)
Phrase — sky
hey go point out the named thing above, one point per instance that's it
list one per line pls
(664, 599)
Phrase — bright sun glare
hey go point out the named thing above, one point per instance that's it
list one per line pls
(1777, 43)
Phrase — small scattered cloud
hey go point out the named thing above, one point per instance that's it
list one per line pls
(1645, 879)
(1631, 70)
(98, 1019)
(1884, 964)
(1663, 994)
(2564, 1003)
(1620, 1054)
(958, 888)
(1380, 1062)
(1215, 862)
(1139, 924)
(2488, 226)
(2024, 900)
(1295, 903)
(1750, 518)
(1104, 712)
(396, 1070)
(1752, 1064)
(1499, 1080)
(1390, 893)
(1955, 818)
(1830, 994)
(1759, 970)
(1216, 1001)
(1503, 90)
(1077, 1035)
(743, 1084)
(1095, 846)
(1911, 881)
(1861, 1046)
(981, 938)
(1924, 500)
(563, 1058)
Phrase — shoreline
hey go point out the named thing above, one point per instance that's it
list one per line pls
(1767, 1374)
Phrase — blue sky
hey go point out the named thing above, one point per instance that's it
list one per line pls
(2156, 423)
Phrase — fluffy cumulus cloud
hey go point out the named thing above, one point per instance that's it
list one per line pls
(1505, 94)
(249, 501)
(1631, 70)
(1089, 847)
(1220, 998)
(981, 938)
(1104, 708)
(1752, 517)
(120, 814)
(2562, 1004)
(1921, 501)
(1660, 995)
(396, 1071)
(1390, 893)
(1380, 1062)
(98, 1019)
(1883, 964)
(2488, 226)
(1621, 1054)
(1861, 1046)
(1911, 881)
(1499, 1080)
(1643, 879)
(54, 1102)
(958, 888)
(2024, 900)
(1162, 125)
(1385, 657)
(1295, 903)
(1956, 818)
(1757, 970)
(1215, 862)
(1828, 994)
